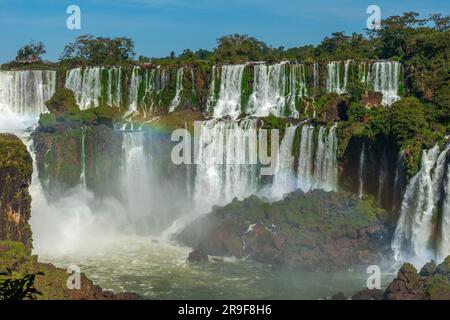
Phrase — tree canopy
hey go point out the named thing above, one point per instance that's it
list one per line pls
(99, 50)
(31, 52)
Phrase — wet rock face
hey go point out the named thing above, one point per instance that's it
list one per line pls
(62, 155)
(316, 231)
(197, 256)
(15, 202)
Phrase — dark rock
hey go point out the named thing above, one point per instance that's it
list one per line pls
(428, 269)
(339, 296)
(318, 230)
(407, 286)
(368, 294)
(444, 267)
(197, 256)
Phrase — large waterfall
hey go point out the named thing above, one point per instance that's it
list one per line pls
(423, 228)
(96, 86)
(226, 163)
(25, 92)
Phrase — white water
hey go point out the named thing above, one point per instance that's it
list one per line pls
(226, 163)
(24, 93)
(229, 101)
(305, 169)
(90, 88)
(134, 90)
(384, 77)
(179, 90)
(362, 161)
(284, 180)
(297, 87)
(335, 82)
(211, 95)
(415, 228)
(268, 97)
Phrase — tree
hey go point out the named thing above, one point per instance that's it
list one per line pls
(99, 50)
(31, 52)
(20, 288)
(240, 48)
(441, 23)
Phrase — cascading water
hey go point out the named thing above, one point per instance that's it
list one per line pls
(268, 95)
(415, 238)
(212, 94)
(335, 82)
(179, 90)
(86, 86)
(317, 167)
(305, 167)
(384, 77)
(284, 180)
(362, 162)
(24, 93)
(83, 158)
(134, 90)
(226, 163)
(92, 89)
(229, 101)
(297, 87)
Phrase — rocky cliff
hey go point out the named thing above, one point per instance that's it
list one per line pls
(15, 233)
(316, 231)
(15, 202)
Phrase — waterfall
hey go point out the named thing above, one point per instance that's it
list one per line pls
(297, 87)
(86, 86)
(284, 180)
(95, 86)
(226, 163)
(305, 168)
(334, 83)
(268, 95)
(384, 78)
(444, 249)
(316, 75)
(317, 167)
(136, 177)
(362, 161)
(179, 90)
(143, 83)
(133, 99)
(229, 101)
(212, 91)
(325, 173)
(25, 92)
(83, 157)
(415, 233)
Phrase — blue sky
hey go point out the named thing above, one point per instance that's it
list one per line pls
(160, 26)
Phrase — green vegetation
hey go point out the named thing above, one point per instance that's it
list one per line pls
(22, 288)
(99, 51)
(31, 52)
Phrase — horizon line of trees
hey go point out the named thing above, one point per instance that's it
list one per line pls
(395, 39)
